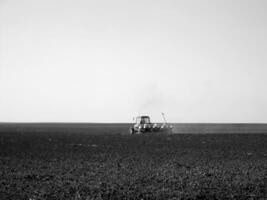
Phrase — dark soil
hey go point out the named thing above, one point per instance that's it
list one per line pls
(39, 165)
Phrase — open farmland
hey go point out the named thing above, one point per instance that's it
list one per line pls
(100, 162)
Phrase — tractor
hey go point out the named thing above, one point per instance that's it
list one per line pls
(143, 125)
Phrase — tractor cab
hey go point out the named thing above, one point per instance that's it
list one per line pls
(142, 124)
(143, 120)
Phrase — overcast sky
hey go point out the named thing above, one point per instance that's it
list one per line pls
(109, 60)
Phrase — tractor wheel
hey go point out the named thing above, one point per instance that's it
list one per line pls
(131, 131)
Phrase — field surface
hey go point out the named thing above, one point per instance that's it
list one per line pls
(100, 162)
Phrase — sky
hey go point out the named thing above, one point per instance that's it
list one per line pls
(108, 61)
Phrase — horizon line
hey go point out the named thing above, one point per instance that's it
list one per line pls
(67, 122)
